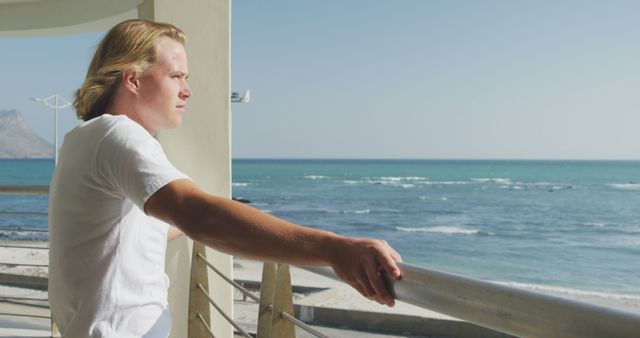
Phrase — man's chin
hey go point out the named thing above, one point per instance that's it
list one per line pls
(177, 122)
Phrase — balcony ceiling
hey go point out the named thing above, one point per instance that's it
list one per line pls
(55, 17)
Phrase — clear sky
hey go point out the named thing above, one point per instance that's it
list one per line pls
(401, 79)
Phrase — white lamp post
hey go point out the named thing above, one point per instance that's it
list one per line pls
(57, 98)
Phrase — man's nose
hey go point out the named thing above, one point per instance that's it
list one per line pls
(186, 92)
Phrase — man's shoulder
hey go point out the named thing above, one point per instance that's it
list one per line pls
(112, 122)
(115, 127)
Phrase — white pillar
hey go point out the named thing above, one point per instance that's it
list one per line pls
(201, 147)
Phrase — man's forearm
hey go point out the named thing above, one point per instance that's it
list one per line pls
(241, 230)
(238, 229)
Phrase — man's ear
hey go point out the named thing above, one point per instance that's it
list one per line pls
(131, 81)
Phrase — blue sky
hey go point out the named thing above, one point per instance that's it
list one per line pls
(402, 79)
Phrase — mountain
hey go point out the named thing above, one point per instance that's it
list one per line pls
(18, 141)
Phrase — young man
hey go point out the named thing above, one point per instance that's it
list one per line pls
(114, 196)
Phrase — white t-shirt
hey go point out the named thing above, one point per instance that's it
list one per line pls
(106, 263)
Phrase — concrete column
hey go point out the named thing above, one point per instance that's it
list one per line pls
(201, 147)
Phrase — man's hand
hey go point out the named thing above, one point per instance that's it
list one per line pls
(361, 263)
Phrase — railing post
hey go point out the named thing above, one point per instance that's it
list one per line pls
(54, 329)
(198, 305)
(267, 294)
(280, 327)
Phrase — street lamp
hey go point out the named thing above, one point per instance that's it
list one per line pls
(244, 98)
(57, 98)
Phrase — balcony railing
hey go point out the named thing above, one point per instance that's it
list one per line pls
(506, 309)
(19, 280)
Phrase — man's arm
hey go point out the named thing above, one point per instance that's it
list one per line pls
(241, 230)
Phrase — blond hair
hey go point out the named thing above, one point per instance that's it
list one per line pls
(130, 45)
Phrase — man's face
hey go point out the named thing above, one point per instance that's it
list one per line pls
(163, 88)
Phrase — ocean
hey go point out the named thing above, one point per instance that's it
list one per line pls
(568, 226)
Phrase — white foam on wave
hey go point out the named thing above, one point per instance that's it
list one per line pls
(444, 182)
(502, 181)
(441, 230)
(239, 184)
(595, 224)
(402, 178)
(392, 183)
(358, 212)
(405, 182)
(573, 293)
(625, 186)
(316, 177)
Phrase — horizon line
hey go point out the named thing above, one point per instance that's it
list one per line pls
(435, 159)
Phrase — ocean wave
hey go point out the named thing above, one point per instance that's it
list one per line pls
(316, 177)
(239, 184)
(506, 183)
(405, 182)
(347, 212)
(502, 181)
(595, 224)
(389, 183)
(444, 182)
(403, 178)
(357, 212)
(441, 230)
(574, 293)
(625, 186)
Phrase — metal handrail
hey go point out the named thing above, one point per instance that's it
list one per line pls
(204, 322)
(297, 322)
(24, 213)
(23, 315)
(24, 298)
(222, 313)
(24, 189)
(24, 229)
(23, 247)
(503, 308)
(228, 280)
(25, 264)
(244, 291)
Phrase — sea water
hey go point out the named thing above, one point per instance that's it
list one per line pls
(569, 226)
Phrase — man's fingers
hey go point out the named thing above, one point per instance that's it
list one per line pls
(387, 262)
(394, 254)
(360, 287)
(377, 283)
(366, 285)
